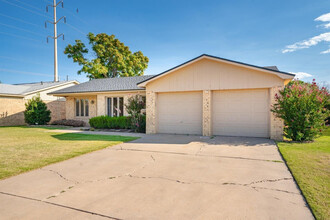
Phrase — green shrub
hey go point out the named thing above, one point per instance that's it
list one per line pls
(104, 122)
(302, 107)
(98, 122)
(36, 112)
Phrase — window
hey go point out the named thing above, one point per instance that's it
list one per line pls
(115, 106)
(77, 107)
(82, 107)
(86, 107)
(82, 112)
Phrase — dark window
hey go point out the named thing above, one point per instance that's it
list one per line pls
(109, 106)
(115, 107)
(86, 107)
(82, 107)
(121, 106)
(77, 107)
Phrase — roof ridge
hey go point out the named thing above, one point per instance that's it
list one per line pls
(18, 84)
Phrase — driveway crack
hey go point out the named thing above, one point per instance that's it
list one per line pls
(93, 181)
(269, 181)
(219, 184)
(60, 175)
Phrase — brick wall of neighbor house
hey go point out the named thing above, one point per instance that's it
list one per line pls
(57, 109)
(12, 110)
(276, 124)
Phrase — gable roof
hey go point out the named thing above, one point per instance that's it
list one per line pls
(105, 85)
(20, 90)
(268, 69)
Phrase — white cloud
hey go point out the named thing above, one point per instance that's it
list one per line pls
(307, 43)
(302, 75)
(326, 51)
(324, 18)
(324, 37)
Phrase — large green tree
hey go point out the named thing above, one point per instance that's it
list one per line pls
(111, 57)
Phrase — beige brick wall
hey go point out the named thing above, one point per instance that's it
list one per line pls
(151, 112)
(71, 108)
(12, 110)
(57, 109)
(276, 124)
(207, 120)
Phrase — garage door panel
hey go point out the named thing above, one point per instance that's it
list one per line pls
(179, 113)
(241, 113)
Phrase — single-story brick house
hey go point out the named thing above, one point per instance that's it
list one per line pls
(14, 97)
(204, 96)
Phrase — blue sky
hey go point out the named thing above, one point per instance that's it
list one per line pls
(264, 33)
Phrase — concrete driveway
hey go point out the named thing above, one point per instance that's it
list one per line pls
(161, 177)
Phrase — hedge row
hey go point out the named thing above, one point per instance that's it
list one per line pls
(100, 122)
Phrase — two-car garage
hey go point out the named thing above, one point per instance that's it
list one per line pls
(214, 96)
(233, 113)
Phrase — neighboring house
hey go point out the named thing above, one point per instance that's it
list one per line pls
(205, 96)
(14, 97)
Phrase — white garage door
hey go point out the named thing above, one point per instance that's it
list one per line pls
(241, 113)
(179, 113)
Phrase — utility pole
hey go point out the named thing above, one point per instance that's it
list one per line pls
(54, 5)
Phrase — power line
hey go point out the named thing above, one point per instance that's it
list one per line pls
(23, 72)
(76, 29)
(34, 12)
(21, 29)
(14, 35)
(17, 19)
(31, 6)
(30, 62)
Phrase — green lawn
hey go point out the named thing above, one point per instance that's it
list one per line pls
(26, 148)
(310, 165)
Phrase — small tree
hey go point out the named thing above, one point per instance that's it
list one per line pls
(133, 107)
(302, 107)
(36, 112)
(111, 58)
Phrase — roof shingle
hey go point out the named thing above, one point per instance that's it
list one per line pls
(24, 88)
(105, 85)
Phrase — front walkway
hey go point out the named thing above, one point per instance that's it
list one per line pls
(161, 177)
